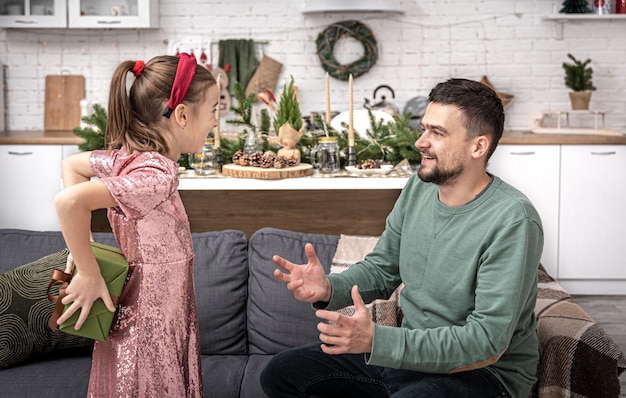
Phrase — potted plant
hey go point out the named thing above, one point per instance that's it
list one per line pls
(288, 123)
(578, 77)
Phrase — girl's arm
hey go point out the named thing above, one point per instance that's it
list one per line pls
(74, 205)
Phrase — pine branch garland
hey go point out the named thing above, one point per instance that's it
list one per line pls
(94, 133)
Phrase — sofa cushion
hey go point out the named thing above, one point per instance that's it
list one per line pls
(222, 375)
(25, 310)
(276, 320)
(19, 247)
(220, 278)
(66, 376)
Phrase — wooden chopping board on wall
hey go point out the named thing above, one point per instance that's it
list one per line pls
(62, 105)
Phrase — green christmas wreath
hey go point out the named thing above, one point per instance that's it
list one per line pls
(332, 34)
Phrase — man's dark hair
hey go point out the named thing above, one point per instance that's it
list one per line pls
(481, 107)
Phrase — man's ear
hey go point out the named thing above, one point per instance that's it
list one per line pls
(480, 146)
(181, 115)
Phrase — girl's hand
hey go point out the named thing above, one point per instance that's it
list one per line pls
(82, 291)
(69, 265)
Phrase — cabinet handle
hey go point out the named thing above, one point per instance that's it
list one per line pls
(20, 153)
(109, 22)
(525, 153)
(25, 22)
(603, 153)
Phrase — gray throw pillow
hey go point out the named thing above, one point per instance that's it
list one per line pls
(25, 310)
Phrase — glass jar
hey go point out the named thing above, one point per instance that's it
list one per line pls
(325, 155)
(203, 163)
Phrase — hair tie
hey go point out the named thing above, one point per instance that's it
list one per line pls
(137, 68)
(185, 70)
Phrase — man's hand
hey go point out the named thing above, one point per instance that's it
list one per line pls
(343, 334)
(307, 282)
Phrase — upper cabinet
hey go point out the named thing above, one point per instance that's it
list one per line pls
(128, 14)
(33, 13)
(113, 13)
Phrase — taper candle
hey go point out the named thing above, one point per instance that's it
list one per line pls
(350, 112)
(327, 99)
(217, 143)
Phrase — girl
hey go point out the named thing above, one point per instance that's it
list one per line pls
(153, 346)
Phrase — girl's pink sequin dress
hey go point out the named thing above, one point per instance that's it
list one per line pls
(153, 349)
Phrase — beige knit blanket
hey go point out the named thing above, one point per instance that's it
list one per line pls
(352, 249)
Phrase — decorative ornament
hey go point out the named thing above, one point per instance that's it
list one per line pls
(575, 7)
(327, 40)
(504, 97)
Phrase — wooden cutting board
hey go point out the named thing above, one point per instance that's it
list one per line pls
(234, 170)
(62, 106)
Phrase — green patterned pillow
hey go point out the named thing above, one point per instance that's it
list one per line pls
(25, 310)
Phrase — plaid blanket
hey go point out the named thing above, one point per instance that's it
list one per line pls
(577, 358)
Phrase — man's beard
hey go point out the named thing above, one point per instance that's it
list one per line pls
(439, 176)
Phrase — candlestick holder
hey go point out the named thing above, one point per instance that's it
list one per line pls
(219, 159)
(351, 156)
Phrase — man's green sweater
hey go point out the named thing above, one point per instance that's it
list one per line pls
(470, 284)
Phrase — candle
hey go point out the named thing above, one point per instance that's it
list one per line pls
(217, 142)
(327, 99)
(350, 112)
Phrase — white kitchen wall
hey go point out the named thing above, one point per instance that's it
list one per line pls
(507, 40)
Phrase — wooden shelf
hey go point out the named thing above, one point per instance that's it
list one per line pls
(582, 17)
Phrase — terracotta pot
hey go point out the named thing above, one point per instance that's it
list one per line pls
(580, 99)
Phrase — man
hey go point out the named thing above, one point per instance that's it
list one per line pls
(465, 244)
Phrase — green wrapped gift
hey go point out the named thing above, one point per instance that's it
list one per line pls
(114, 268)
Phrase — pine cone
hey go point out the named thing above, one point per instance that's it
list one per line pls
(267, 160)
(369, 164)
(280, 162)
(255, 159)
(291, 162)
(244, 160)
(237, 157)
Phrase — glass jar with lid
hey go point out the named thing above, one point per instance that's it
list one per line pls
(203, 163)
(325, 155)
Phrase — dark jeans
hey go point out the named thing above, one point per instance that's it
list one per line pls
(308, 372)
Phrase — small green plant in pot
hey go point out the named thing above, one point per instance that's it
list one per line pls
(578, 78)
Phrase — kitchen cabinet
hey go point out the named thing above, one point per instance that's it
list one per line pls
(534, 170)
(580, 193)
(113, 13)
(593, 212)
(30, 178)
(33, 13)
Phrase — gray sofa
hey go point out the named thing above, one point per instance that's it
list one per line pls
(246, 316)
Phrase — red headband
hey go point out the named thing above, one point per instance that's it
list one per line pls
(185, 71)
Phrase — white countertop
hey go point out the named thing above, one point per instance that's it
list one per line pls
(189, 181)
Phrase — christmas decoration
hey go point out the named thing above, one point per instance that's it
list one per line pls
(575, 7)
(94, 138)
(327, 40)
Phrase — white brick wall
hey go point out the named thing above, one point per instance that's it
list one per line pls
(504, 39)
